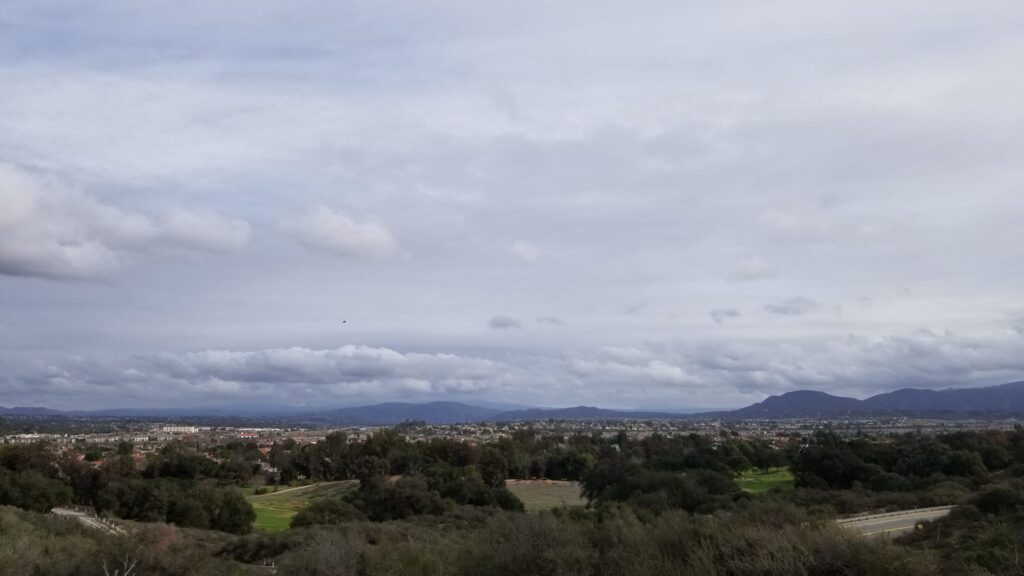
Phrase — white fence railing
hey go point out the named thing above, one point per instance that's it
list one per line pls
(893, 514)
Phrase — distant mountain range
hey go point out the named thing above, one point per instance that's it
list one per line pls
(797, 404)
(1005, 399)
(456, 412)
(386, 414)
(584, 413)
(397, 412)
(28, 411)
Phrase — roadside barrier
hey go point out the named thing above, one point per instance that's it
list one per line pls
(892, 514)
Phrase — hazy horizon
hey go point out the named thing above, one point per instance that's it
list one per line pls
(685, 205)
(256, 408)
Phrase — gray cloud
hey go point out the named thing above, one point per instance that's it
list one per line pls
(712, 372)
(722, 314)
(635, 194)
(353, 366)
(550, 320)
(793, 307)
(504, 323)
(48, 229)
(635, 307)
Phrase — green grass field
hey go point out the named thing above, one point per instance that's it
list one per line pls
(754, 481)
(274, 511)
(540, 495)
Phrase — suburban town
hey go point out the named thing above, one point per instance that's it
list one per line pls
(148, 436)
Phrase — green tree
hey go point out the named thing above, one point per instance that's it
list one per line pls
(234, 514)
(327, 511)
(31, 490)
(493, 467)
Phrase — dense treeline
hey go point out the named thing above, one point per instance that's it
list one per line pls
(526, 454)
(657, 505)
(909, 462)
(174, 485)
(398, 478)
(655, 474)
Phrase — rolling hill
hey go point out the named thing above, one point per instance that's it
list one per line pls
(800, 403)
(391, 413)
(1003, 399)
(584, 413)
(28, 411)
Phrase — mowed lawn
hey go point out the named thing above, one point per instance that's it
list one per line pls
(754, 481)
(540, 495)
(274, 511)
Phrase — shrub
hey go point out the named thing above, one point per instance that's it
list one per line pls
(327, 511)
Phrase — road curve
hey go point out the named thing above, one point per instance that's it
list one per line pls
(892, 524)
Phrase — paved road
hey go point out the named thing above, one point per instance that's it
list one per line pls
(892, 524)
(89, 520)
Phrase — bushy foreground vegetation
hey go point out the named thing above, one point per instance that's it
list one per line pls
(468, 542)
(656, 505)
(176, 485)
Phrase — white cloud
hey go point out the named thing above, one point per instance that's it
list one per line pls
(616, 370)
(51, 230)
(794, 225)
(205, 230)
(752, 269)
(335, 232)
(525, 251)
(627, 355)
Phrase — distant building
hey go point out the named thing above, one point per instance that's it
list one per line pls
(179, 429)
(25, 438)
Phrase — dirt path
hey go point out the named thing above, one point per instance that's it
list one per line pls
(295, 489)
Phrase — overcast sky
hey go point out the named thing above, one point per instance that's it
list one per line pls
(623, 204)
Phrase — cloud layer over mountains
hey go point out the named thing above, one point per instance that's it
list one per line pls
(704, 373)
(659, 204)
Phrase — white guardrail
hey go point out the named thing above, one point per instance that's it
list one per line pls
(89, 518)
(893, 514)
